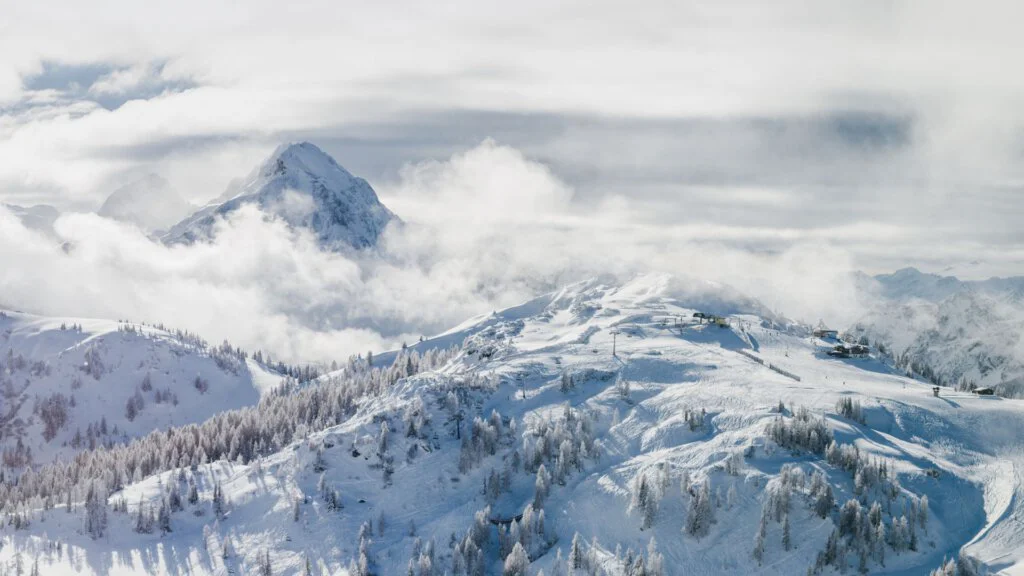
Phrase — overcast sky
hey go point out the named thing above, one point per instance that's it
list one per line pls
(888, 130)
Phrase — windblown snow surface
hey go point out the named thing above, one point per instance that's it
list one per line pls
(697, 407)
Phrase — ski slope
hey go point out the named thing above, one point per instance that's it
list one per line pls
(677, 396)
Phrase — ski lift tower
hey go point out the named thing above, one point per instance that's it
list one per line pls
(614, 333)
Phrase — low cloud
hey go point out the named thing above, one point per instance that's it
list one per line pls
(485, 229)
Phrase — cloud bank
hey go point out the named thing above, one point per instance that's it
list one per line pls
(791, 119)
(486, 229)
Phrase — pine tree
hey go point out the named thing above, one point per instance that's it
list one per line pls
(759, 539)
(319, 464)
(266, 569)
(786, 541)
(880, 539)
(516, 562)
(541, 487)
(174, 499)
(655, 561)
(645, 501)
(825, 501)
(382, 440)
(164, 518)
(141, 526)
(363, 568)
(218, 501)
(566, 383)
(575, 560)
(701, 512)
(426, 565)
(95, 512)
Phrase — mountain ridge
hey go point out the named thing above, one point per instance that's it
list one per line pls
(954, 332)
(530, 445)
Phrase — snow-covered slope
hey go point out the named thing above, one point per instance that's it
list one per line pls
(67, 383)
(951, 331)
(305, 187)
(429, 459)
(149, 203)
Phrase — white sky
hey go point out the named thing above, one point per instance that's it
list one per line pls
(889, 130)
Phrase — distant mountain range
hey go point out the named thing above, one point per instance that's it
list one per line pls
(910, 283)
(954, 332)
(39, 217)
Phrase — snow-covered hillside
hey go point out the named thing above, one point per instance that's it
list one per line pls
(695, 449)
(954, 332)
(305, 187)
(150, 203)
(69, 384)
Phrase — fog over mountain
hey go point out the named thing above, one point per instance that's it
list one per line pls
(149, 203)
(572, 288)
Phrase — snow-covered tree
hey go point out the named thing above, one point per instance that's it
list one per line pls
(759, 540)
(566, 383)
(174, 499)
(219, 505)
(143, 518)
(787, 541)
(164, 518)
(193, 493)
(655, 561)
(700, 514)
(576, 559)
(95, 512)
(265, 567)
(542, 485)
(516, 562)
(645, 500)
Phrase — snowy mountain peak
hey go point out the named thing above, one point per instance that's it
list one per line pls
(302, 156)
(304, 186)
